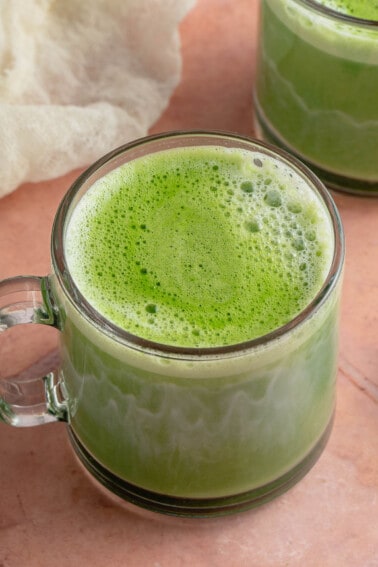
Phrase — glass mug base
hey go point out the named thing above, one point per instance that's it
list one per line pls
(152, 502)
(266, 132)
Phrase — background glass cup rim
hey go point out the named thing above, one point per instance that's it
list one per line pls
(213, 137)
(334, 14)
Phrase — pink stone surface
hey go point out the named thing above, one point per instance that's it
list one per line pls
(51, 514)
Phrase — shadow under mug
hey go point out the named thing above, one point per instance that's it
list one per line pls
(184, 431)
(315, 93)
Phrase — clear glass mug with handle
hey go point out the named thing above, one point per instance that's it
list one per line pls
(181, 430)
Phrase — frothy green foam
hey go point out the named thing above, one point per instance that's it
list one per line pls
(364, 9)
(201, 246)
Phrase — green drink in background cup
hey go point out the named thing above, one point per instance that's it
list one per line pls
(316, 88)
(195, 280)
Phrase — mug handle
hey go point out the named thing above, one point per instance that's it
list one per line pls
(35, 401)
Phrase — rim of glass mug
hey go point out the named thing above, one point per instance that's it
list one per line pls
(163, 141)
(347, 18)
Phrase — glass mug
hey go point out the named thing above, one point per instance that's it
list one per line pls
(181, 430)
(316, 90)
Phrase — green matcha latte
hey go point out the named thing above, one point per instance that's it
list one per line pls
(193, 252)
(316, 86)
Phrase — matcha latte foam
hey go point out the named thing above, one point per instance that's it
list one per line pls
(365, 9)
(201, 246)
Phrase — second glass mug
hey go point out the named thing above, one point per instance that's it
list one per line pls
(315, 93)
(178, 430)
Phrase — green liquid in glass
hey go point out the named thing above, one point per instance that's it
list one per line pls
(200, 247)
(316, 88)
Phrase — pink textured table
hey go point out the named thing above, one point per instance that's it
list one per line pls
(52, 515)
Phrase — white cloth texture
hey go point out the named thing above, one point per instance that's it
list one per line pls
(78, 79)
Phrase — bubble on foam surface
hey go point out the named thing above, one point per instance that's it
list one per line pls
(252, 225)
(160, 253)
(246, 186)
(273, 198)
